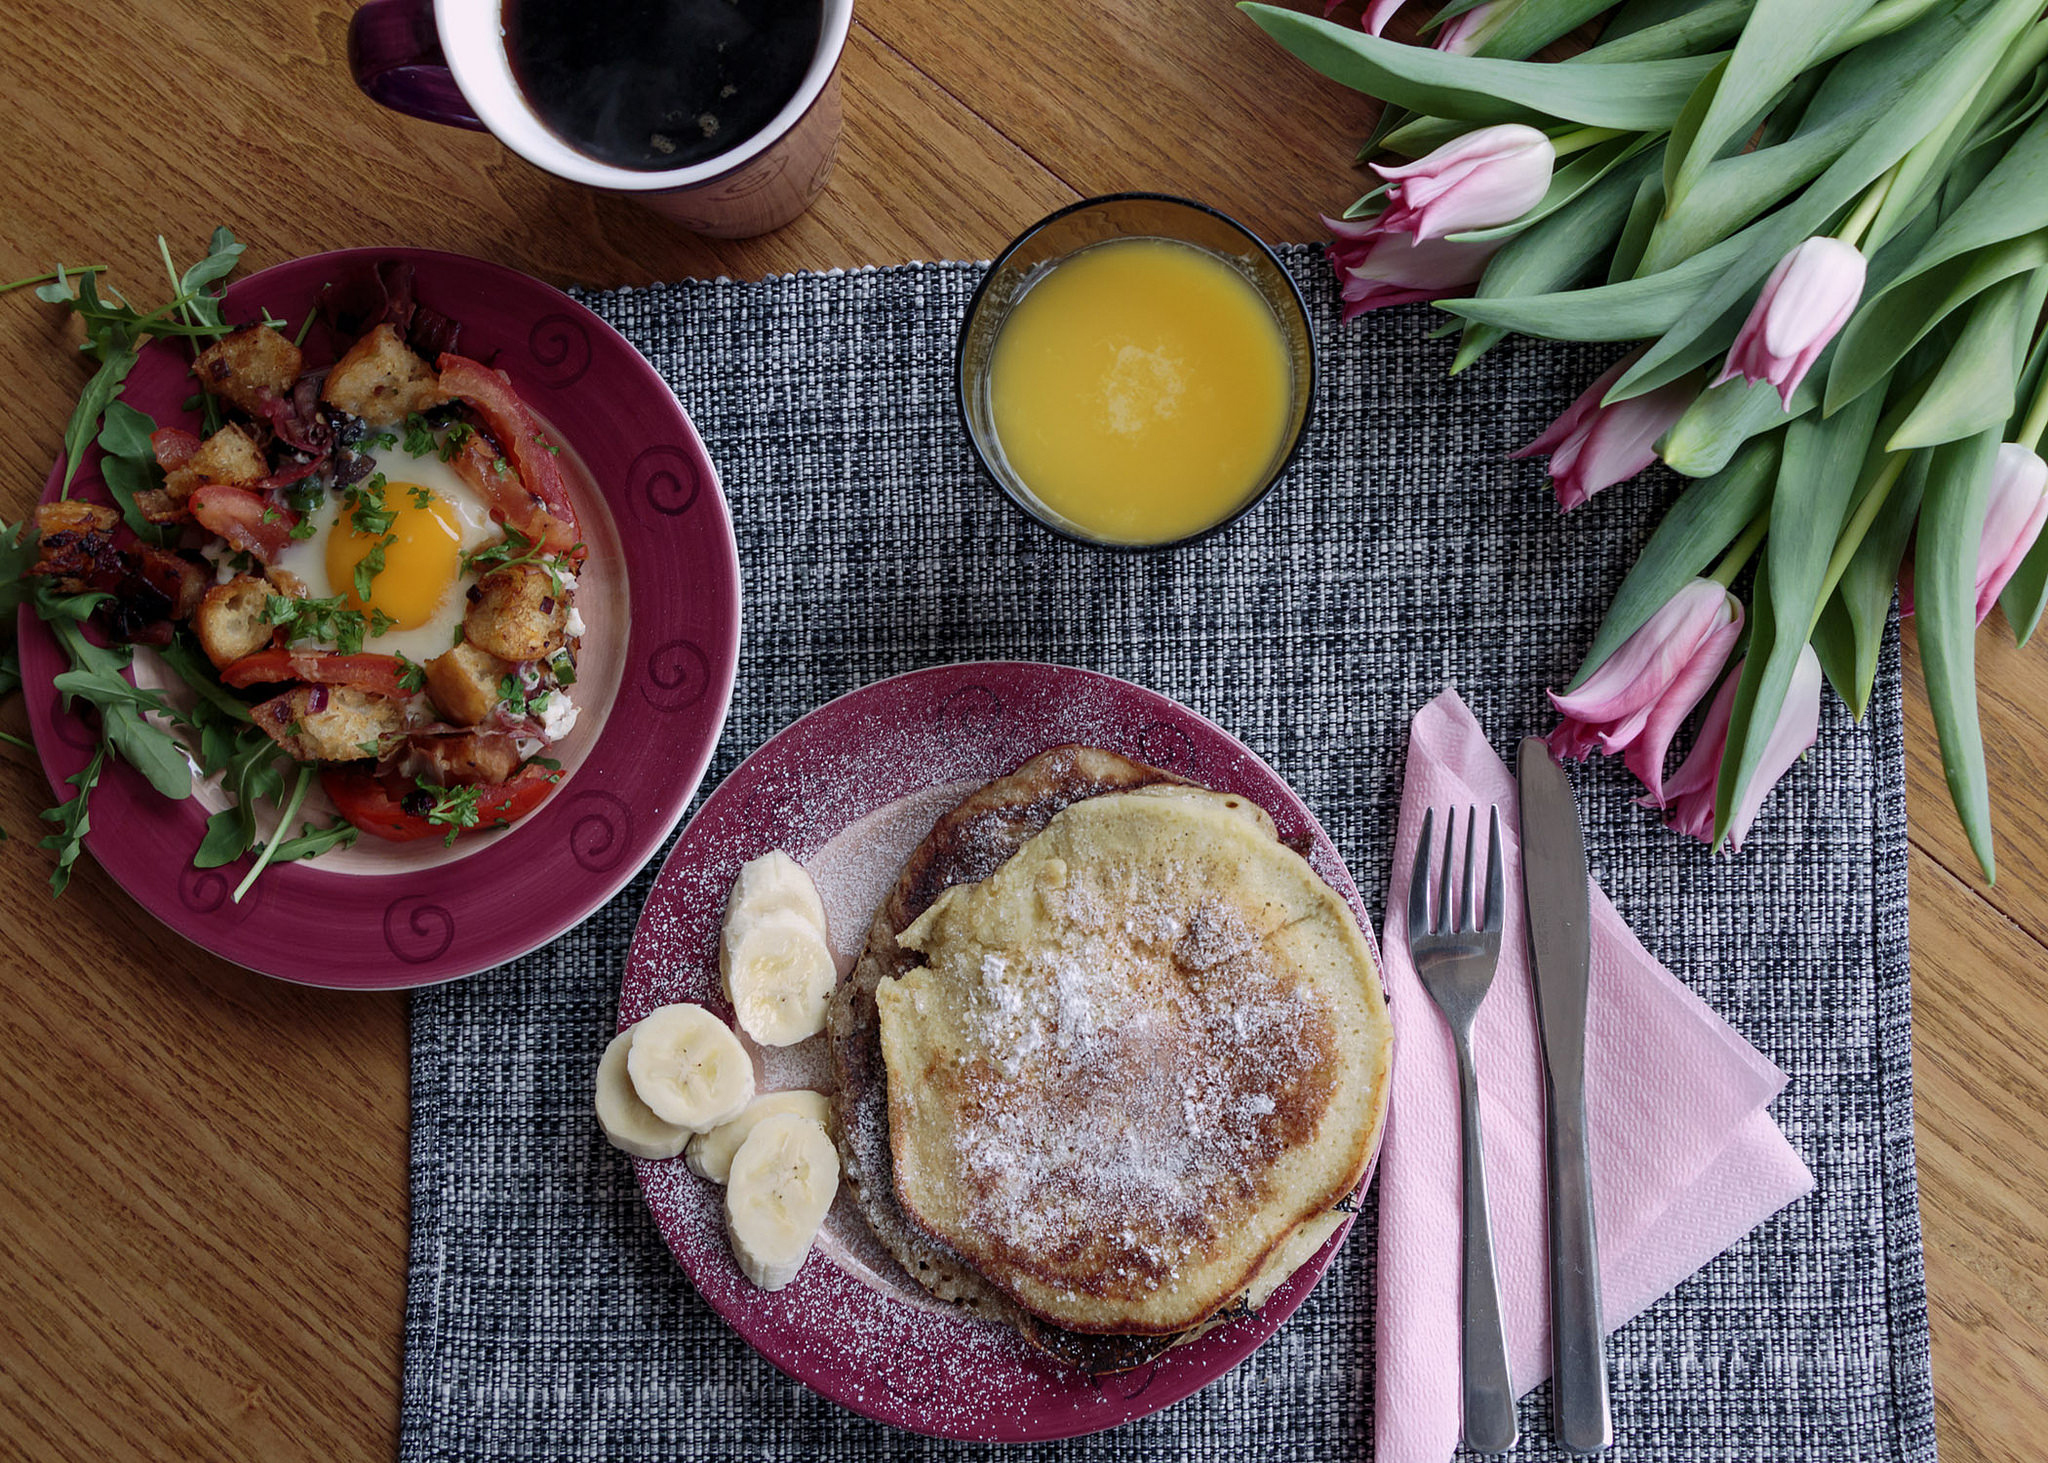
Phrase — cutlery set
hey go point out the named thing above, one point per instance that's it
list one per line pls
(1455, 955)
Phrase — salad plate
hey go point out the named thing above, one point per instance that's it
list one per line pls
(849, 790)
(663, 595)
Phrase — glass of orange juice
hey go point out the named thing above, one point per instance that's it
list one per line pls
(1136, 371)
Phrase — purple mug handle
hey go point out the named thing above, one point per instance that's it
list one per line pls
(395, 52)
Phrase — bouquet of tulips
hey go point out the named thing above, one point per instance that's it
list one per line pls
(1823, 226)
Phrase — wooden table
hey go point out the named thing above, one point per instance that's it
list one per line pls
(205, 1201)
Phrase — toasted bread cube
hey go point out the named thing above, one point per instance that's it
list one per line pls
(381, 380)
(516, 613)
(74, 515)
(473, 759)
(230, 621)
(330, 723)
(228, 456)
(255, 362)
(75, 546)
(464, 683)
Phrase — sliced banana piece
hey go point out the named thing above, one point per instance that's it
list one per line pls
(689, 1068)
(782, 1182)
(710, 1154)
(771, 882)
(778, 973)
(627, 1121)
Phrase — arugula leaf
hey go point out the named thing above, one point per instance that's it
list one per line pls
(199, 675)
(116, 361)
(72, 820)
(312, 842)
(268, 855)
(129, 464)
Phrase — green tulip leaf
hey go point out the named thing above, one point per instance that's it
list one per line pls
(1637, 96)
(1983, 29)
(1635, 234)
(1703, 28)
(1975, 388)
(1629, 310)
(1697, 528)
(1780, 40)
(1822, 465)
(1558, 249)
(1851, 630)
(1533, 24)
(1723, 417)
(1945, 617)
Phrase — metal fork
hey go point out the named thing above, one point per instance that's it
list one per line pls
(1455, 959)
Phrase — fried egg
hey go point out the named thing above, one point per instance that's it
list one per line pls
(422, 589)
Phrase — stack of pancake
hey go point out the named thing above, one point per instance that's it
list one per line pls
(1113, 1060)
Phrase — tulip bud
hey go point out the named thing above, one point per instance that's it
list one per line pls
(1640, 696)
(1378, 266)
(1459, 34)
(2019, 506)
(1802, 306)
(1490, 176)
(1593, 447)
(1377, 14)
(1691, 789)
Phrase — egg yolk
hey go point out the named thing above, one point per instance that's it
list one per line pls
(422, 557)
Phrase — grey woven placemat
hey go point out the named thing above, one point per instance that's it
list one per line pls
(544, 1317)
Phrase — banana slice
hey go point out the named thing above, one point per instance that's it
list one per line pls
(778, 972)
(689, 1068)
(710, 1154)
(627, 1121)
(771, 882)
(782, 1182)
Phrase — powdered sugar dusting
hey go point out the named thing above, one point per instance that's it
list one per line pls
(893, 754)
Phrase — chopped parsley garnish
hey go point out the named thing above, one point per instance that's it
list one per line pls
(378, 442)
(419, 437)
(371, 565)
(422, 495)
(329, 620)
(364, 504)
(411, 674)
(453, 808)
(517, 548)
(458, 437)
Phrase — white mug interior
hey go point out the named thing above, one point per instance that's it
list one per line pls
(473, 39)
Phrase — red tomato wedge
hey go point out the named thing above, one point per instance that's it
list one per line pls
(367, 803)
(173, 446)
(380, 674)
(534, 497)
(238, 516)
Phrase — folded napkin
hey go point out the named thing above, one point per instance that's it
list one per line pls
(1685, 1159)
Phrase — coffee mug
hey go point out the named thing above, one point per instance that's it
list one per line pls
(448, 61)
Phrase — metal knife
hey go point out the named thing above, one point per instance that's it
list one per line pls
(1555, 885)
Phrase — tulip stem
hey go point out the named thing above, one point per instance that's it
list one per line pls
(1739, 552)
(1865, 514)
(2036, 422)
(1854, 226)
(1581, 138)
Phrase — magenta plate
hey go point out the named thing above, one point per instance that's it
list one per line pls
(375, 925)
(919, 1367)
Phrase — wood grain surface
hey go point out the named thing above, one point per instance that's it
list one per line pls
(204, 1206)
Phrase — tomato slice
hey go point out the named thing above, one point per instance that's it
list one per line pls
(381, 674)
(173, 446)
(238, 516)
(362, 798)
(537, 503)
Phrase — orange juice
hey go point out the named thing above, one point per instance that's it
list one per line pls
(1141, 390)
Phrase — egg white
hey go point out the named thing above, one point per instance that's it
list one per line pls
(306, 559)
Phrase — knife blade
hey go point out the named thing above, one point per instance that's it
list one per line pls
(1557, 900)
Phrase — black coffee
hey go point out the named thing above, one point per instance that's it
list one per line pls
(655, 84)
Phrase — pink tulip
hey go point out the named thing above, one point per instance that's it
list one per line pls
(1381, 266)
(1457, 35)
(1377, 14)
(1490, 176)
(1636, 701)
(1802, 306)
(2019, 506)
(1593, 447)
(1690, 792)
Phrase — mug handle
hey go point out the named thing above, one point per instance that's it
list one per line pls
(395, 53)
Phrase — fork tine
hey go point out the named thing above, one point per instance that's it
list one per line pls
(1418, 883)
(1465, 911)
(1444, 924)
(1495, 902)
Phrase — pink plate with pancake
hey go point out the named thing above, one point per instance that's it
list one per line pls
(849, 791)
(660, 595)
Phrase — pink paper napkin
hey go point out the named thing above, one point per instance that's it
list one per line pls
(1685, 1159)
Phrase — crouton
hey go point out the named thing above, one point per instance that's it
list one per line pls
(516, 613)
(253, 363)
(381, 380)
(472, 759)
(464, 683)
(330, 723)
(230, 620)
(75, 546)
(228, 456)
